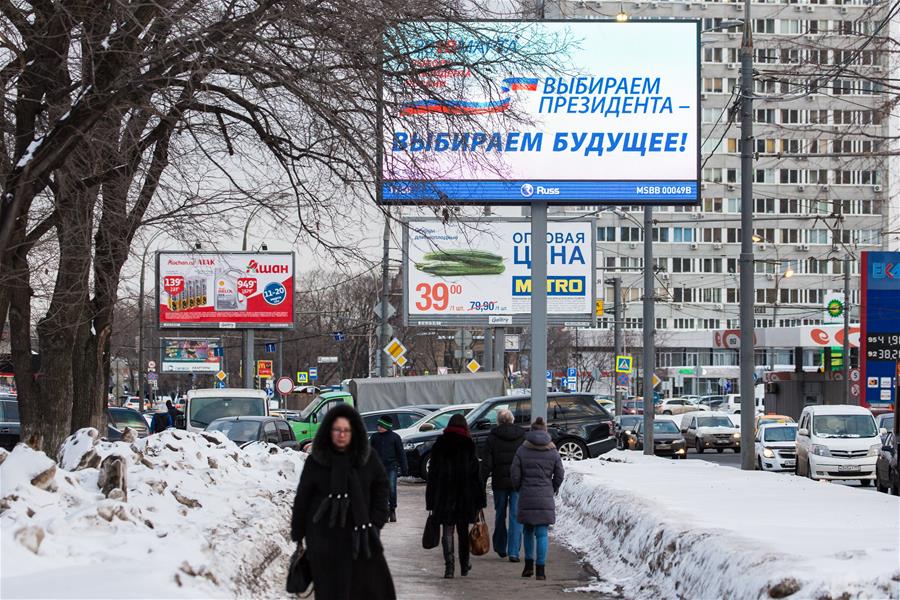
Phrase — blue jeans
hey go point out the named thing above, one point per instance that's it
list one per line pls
(392, 484)
(504, 499)
(541, 532)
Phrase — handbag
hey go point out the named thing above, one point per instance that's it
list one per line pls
(480, 536)
(431, 536)
(299, 577)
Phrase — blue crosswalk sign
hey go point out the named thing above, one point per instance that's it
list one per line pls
(623, 364)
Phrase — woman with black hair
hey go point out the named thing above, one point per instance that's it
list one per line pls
(455, 491)
(340, 508)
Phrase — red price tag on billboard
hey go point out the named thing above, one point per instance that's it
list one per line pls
(173, 284)
(246, 286)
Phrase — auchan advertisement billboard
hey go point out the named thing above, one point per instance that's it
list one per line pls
(225, 290)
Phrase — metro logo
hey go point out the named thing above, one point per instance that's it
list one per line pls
(556, 286)
(885, 270)
(255, 267)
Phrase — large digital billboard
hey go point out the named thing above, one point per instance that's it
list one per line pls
(568, 112)
(189, 355)
(225, 290)
(479, 272)
(880, 327)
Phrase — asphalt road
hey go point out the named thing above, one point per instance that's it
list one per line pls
(418, 574)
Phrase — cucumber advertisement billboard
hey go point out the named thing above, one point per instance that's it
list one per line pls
(478, 272)
(568, 112)
(225, 290)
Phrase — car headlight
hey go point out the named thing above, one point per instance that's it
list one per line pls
(820, 450)
(767, 452)
(412, 445)
(874, 450)
(736, 436)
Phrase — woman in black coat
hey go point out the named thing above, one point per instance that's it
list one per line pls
(455, 492)
(340, 508)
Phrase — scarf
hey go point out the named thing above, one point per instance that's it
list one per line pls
(346, 496)
(457, 430)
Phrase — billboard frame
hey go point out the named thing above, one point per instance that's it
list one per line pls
(162, 354)
(226, 324)
(483, 320)
(379, 123)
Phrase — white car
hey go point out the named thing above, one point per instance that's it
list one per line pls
(436, 420)
(708, 430)
(677, 406)
(837, 442)
(732, 404)
(776, 447)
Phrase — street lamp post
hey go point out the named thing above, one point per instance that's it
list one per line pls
(142, 377)
(249, 334)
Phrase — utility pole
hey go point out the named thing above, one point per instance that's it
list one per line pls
(846, 368)
(538, 309)
(500, 350)
(381, 364)
(250, 333)
(281, 371)
(748, 402)
(617, 339)
(649, 322)
(142, 367)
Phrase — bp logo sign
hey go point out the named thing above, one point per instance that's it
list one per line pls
(835, 308)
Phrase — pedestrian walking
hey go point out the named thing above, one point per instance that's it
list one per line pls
(340, 508)
(174, 413)
(389, 448)
(455, 491)
(537, 472)
(502, 443)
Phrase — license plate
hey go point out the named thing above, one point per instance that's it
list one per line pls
(789, 463)
(848, 468)
(722, 441)
(663, 446)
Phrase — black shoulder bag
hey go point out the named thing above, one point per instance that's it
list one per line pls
(299, 577)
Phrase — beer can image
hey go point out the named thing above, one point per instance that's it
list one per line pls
(189, 289)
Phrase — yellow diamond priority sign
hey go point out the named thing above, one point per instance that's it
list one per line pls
(221, 376)
(396, 350)
(401, 361)
(473, 366)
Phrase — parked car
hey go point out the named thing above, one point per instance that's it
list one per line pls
(776, 446)
(732, 404)
(692, 398)
(578, 426)
(623, 426)
(10, 428)
(837, 442)
(766, 419)
(401, 418)
(667, 440)
(710, 430)
(435, 421)
(885, 423)
(677, 406)
(429, 407)
(118, 418)
(206, 405)
(308, 420)
(246, 430)
(633, 407)
(887, 472)
(713, 402)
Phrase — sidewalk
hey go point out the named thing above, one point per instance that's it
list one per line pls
(418, 573)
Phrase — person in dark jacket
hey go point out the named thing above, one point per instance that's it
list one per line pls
(340, 508)
(497, 458)
(537, 472)
(174, 413)
(389, 448)
(455, 490)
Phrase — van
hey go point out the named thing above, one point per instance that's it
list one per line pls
(837, 442)
(306, 424)
(205, 406)
(732, 403)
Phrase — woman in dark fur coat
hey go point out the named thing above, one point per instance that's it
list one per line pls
(455, 491)
(340, 508)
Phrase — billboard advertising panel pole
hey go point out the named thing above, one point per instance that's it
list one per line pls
(539, 310)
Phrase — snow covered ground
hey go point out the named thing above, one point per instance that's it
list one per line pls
(198, 518)
(658, 528)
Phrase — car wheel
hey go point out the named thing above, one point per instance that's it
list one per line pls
(306, 446)
(720, 450)
(698, 446)
(572, 450)
(865, 482)
(809, 473)
(667, 412)
(881, 488)
(426, 465)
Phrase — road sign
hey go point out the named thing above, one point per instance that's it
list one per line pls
(549, 375)
(572, 385)
(679, 380)
(854, 374)
(571, 373)
(854, 390)
(401, 360)
(220, 384)
(443, 370)
(325, 360)
(462, 338)
(655, 380)
(152, 376)
(338, 336)
(284, 385)
(270, 347)
(151, 365)
(313, 373)
(395, 349)
(264, 368)
(221, 375)
(598, 308)
(564, 382)
(622, 379)
(473, 366)
(623, 364)
(302, 377)
(390, 310)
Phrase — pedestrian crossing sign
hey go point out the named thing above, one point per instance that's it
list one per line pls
(623, 364)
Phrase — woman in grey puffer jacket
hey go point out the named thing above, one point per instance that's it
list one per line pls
(537, 472)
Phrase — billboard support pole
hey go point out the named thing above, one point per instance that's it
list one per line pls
(747, 355)
(380, 363)
(500, 350)
(249, 340)
(846, 358)
(538, 310)
(649, 318)
(488, 345)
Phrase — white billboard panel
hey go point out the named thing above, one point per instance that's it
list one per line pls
(474, 272)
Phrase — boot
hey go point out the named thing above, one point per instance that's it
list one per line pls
(464, 567)
(529, 568)
(540, 576)
(449, 558)
(393, 516)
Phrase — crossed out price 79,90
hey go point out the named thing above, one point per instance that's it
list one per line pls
(436, 296)
(482, 305)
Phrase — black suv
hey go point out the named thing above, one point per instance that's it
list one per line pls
(9, 422)
(578, 425)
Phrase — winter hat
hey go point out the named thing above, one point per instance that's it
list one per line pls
(539, 424)
(386, 423)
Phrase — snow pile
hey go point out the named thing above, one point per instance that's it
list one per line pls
(657, 528)
(177, 514)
